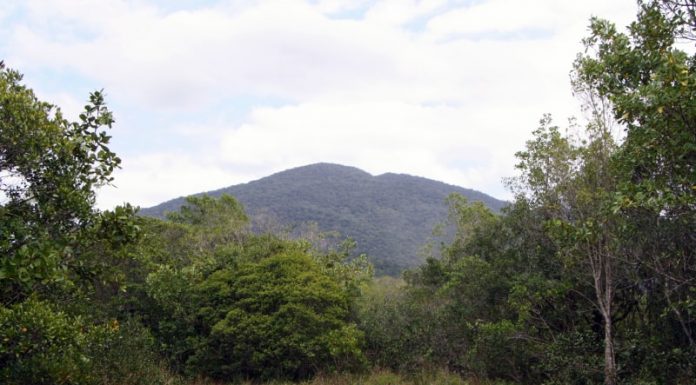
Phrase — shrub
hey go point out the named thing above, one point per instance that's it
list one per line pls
(279, 318)
(41, 346)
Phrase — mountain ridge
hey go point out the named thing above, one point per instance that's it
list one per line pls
(389, 215)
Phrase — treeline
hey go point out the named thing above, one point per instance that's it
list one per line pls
(590, 274)
(588, 277)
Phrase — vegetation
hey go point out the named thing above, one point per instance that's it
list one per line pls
(390, 216)
(587, 277)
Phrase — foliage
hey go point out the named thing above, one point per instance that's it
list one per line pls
(390, 216)
(650, 85)
(41, 346)
(124, 353)
(49, 168)
(278, 318)
(57, 250)
(587, 277)
(236, 305)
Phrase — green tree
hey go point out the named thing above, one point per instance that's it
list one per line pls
(650, 85)
(280, 317)
(226, 303)
(49, 169)
(56, 250)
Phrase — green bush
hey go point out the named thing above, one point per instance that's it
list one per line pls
(124, 354)
(279, 318)
(41, 346)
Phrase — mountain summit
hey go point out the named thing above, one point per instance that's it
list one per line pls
(390, 216)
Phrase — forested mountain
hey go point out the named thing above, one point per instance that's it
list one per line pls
(390, 216)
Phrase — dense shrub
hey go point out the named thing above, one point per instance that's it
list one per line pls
(281, 317)
(41, 346)
(125, 354)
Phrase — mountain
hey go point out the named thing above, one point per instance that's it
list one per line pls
(390, 216)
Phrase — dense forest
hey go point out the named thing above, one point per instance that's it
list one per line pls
(587, 277)
(390, 216)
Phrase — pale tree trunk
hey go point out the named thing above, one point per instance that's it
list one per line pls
(600, 263)
(610, 376)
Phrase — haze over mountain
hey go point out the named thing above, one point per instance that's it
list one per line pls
(390, 216)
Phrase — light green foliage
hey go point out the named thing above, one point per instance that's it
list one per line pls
(545, 168)
(221, 219)
(650, 84)
(469, 218)
(280, 317)
(351, 273)
(212, 222)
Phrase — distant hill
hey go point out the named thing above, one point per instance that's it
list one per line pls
(390, 216)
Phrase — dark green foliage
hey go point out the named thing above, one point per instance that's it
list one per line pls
(650, 84)
(230, 305)
(49, 168)
(125, 354)
(390, 215)
(58, 252)
(404, 330)
(41, 346)
(587, 277)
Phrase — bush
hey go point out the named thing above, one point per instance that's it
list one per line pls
(125, 355)
(41, 346)
(279, 318)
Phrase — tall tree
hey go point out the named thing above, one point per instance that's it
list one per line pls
(651, 86)
(49, 170)
(570, 180)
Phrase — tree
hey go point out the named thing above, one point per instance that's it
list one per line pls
(683, 13)
(49, 170)
(650, 85)
(55, 247)
(571, 181)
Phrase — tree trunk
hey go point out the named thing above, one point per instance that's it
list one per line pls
(603, 277)
(610, 376)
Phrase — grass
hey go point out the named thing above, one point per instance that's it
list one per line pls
(375, 377)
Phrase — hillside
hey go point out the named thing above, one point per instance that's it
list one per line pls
(390, 216)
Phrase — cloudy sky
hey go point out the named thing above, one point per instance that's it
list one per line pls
(208, 94)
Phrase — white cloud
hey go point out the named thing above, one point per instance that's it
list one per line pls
(399, 12)
(511, 17)
(457, 145)
(153, 178)
(452, 99)
(333, 7)
(495, 16)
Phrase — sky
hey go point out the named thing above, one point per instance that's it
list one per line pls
(208, 94)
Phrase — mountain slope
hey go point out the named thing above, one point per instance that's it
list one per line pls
(390, 216)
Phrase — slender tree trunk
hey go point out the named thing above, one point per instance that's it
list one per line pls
(610, 376)
(602, 275)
